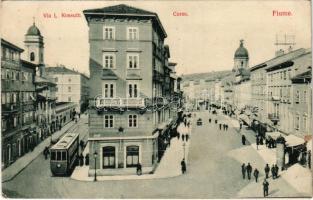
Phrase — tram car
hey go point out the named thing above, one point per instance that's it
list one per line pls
(64, 155)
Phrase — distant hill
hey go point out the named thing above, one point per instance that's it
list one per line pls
(210, 76)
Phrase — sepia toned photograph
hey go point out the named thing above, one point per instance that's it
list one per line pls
(156, 99)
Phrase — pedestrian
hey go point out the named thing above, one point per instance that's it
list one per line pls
(139, 170)
(243, 170)
(226, 127)
(243, 139)
(183, 166)
(276, 170)
(240, 125)
(81, 159)
(249, 171)
(273, 172)
(266, 170)
(265, 187)
(187, 137)
(87, 159)
(257, 142)
(309, 159)
(78, 115)
(256, 174)
(216, 121)
(220, 126)
(183, 137)
(81, 144)
(178, 136)
(45, 153)
(209, 120)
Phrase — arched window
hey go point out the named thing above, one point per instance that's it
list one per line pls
(241, 63)
(108, 154)
(132, 156)
(32, 56)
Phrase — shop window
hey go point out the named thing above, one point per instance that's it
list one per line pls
(108, 157)
(132, 156)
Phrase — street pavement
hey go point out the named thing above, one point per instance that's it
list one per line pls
(213, 171)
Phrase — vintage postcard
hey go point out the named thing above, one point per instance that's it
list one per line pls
(156, 99)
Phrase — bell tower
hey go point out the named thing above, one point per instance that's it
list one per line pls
(34, 46)
(241, 57)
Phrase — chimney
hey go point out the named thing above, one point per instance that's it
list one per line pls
(280, 52)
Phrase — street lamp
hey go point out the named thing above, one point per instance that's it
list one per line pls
(95, 154)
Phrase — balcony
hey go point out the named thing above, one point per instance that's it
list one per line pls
(273, 117)
(118, 103)
(10, 107)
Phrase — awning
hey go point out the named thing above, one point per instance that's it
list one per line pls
(273, 135)
(292, 140)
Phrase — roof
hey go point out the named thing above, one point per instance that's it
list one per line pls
(303, 77)
(28, 64)
(65, 141)
(241, 51)
(259, 66)
(62, 70)
(10, 45)
(124, 10)
(33, 30)
(207, 76)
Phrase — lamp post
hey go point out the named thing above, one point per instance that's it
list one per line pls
(95, 156)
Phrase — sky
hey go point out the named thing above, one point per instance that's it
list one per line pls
(203, 41)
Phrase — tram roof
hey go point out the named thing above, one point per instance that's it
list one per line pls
(66, 141)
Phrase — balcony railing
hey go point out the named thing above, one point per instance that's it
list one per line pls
(118, 102)
(273, 117)
(10, 107)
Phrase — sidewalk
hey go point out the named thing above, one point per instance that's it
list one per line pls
(169, 165)
(14, 169)
(298, 177)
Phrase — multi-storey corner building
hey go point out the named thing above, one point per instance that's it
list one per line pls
(18, 104)
(72, 86)
(128, 68)
(281, 95)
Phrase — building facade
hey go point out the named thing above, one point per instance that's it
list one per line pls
(72, 86)
(18, 104)
(128, 110)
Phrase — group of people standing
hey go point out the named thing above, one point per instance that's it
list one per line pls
(247, 169)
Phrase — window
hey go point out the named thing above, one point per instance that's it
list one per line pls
(285, 75)
(304, 123)
(4, 124)
(2, 98)
(108, 33)
(108, 61)
(63, 155)
(109, 90)
(53, 155)
(17, 76)
(297, 122)
(133, 90)
(32, 56)
(59, 155)
(69, 89)
(132, 156)
(8, 74)
(14, 122)
(8, 95)
(304, 97)
(108, 154)
(108, 121)
(133, 61)
(132, 121)
(297, 97)
(132, 33)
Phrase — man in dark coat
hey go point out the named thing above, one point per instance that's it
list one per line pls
(273, 172)
(309, 159)
(256, 174)
(226, 127)
(183, 137)
(209, 120)
(249, 171)
(183, 166)
(265, 188)
(243, 170)
(220, 126)
(276, 170)
(187, 137)
(216, 121)
(139, 170)
(267, 170)
(243, 139)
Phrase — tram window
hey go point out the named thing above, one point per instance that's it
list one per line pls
(53, 155)
(58, 155)
(63, 155)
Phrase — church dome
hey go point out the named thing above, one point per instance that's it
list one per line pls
(241, 52)
(33, 30)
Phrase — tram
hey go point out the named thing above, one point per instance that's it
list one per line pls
(64, 155)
